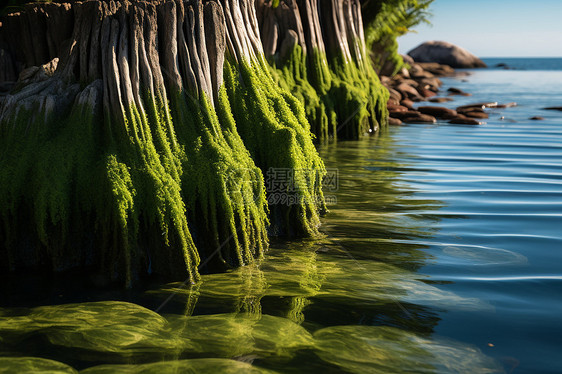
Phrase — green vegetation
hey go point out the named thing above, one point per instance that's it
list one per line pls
(386, 20)
(159, 186)
(342, 99)
(274, 128)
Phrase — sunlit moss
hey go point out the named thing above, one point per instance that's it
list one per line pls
(273, 126)
(154, 189)
(342, 99)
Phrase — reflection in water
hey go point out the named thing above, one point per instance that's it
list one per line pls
(350, 301)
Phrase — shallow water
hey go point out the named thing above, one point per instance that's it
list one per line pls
(442, 253)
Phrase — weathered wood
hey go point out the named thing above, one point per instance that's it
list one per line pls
(215, 41)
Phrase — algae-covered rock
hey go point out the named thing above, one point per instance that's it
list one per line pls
(111, 331)
(33, 365)
(373, 349)
(233, 335)
(196, 366)
(120, 332)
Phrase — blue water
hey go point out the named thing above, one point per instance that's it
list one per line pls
(442, 253)
(498, 235)
(525, 63)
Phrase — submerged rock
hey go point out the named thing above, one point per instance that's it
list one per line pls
(199, 366)
(382, 349)
(447, 54)
(34, 365)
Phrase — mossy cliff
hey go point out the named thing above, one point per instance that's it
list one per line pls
(145, 151)
(318, 53)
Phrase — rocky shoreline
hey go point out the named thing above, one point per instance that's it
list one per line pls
(420, 83)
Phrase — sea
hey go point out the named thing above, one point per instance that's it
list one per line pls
(441, 253)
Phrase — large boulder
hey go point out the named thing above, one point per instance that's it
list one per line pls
(447, 54)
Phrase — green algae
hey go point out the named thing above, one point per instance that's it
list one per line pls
(114, 331)
(195, 366)
(273, 127)
(120, 332)
(174, 182)
(236, 335)
(382, 349)
(342, 99)
(33, 365)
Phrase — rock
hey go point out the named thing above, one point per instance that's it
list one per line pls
(394, 121)
(457, 91)
(416, 70)
(394, 95)
(508, 105)
(537, 118)
(446, 54)
(405, 73)
(432, 83)
(439, 112)
(465, 121)
(475, 114)
(422, 74)
(421, 118)
(408, 60)
(408, 91)
(426, 92)
(407, 103)
(470, 109)
(440, 99)
(396, 108)
(385, 80)
(412, 116)
(392, 101)
(437, 69)
(559, 108)
(409, 82)
(478, 106)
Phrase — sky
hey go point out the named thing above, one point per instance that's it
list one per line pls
(494, 28)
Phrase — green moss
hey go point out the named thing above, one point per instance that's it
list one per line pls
(147, 192)
(273, 126)
(341, 99)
